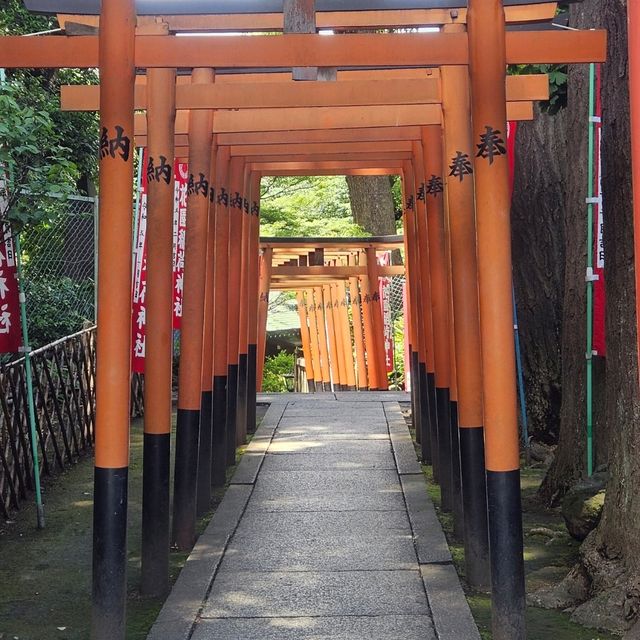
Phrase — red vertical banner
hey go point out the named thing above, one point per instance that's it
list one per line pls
(10, 328)
(181, 172)
(384, 260)
(138, 318)
(512, 127)
(599, 297)
(138, 309)
(407, 354)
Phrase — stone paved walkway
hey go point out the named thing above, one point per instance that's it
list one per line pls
(325, 532)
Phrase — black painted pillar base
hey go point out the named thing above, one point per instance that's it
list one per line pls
(203, 491)
(444, 443)
(241, 408)
(185, 479)
(458, 509)
(474, 494)
(416, 398)
(154, 581)
(109, 590)
(219, 431)
(433, 426)
(251, 388)
(425, 445)
(507, 564)
(311, 383)
(232, 400)
(351, 388)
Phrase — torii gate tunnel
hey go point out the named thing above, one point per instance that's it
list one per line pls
(387, 97)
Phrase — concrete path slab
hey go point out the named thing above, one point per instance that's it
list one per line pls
(327, 531)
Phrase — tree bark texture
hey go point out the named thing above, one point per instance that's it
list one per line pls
(610, 556)
(618, 534)
(569, 464)
(537, 218)
(372, 204)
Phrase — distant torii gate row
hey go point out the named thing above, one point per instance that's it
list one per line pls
(330, 276)
(442, 239)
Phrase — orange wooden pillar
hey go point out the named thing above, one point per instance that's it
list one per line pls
(205, 448)
(322, 338)
(334, 360)
(358, 334)
(347, 348)
(219, 308)
(314, 339)
(243, 316)
(337, 326)
(266, 261)
(487, 59)
(432, 145)
(468, 355)
(191, 333)
(236, 177)
(161, 113)
(369, 331)
(417, 308)
(306, 340)
(376, 317)
(113, 384)
(253, 295)
(408, 214)
(424, 318)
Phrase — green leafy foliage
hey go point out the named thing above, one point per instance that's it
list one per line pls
(275, 368)
(57, 311)
(557, 83)
(37, 171)
(306, 207)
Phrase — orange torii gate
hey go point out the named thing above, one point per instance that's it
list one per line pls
(486, 49)
(290, 270)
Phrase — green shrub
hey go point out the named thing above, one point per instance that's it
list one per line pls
(275, 367)
(55, 308)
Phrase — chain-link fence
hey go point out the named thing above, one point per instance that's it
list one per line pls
(59, 260)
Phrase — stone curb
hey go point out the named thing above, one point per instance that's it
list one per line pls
(403, 450)
(251, 461)
(178, 614)
(451, 614)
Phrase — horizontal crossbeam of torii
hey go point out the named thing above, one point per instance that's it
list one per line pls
(249, 95)
(304, 50)
(302, 118)
(372, 19)
(330, 271)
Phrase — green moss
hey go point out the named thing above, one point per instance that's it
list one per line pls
(45, 576)
(548, 558)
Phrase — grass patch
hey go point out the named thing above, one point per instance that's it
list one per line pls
(45, 576)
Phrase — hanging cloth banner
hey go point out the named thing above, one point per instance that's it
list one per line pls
(138, 309)
(407, 355)
(138, 315)
(599, 296)
(384, 260)
(10, 328)
(512, 127)
(181, 173)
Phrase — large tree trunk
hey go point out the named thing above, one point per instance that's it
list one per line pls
(372, 204)
(611, 554)
(538, 264)
(570, 461)
(615, 545)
